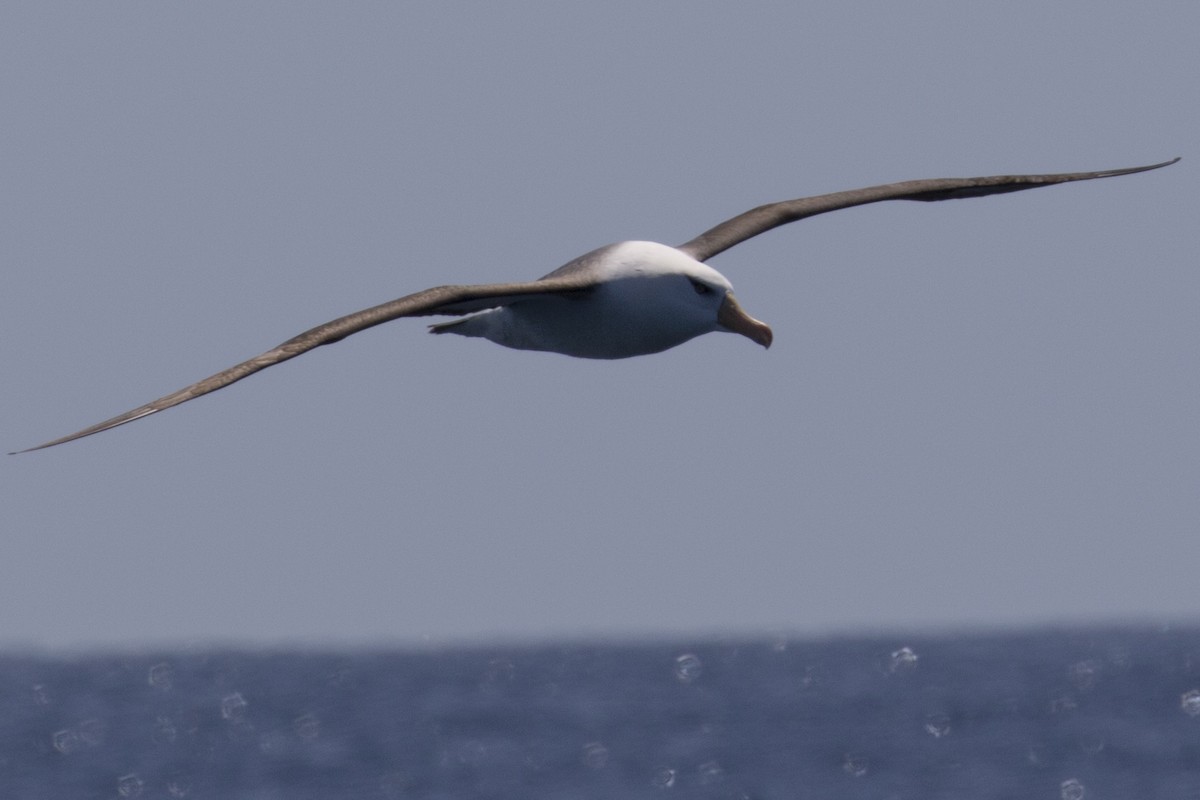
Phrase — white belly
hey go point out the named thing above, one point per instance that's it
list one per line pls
(620, 319)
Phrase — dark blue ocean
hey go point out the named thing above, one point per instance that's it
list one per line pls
(1059, 715)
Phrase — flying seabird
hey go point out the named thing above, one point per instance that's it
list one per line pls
(626, 299)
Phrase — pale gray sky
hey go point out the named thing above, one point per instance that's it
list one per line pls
(975, 413)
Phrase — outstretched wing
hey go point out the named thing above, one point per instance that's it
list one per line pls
(449, 300)
(764, 218)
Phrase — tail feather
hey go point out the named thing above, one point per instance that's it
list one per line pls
(478, 324)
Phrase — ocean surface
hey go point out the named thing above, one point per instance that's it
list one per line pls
(1053, 714)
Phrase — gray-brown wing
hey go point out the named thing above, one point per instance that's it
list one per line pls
(449, 300)
(764, 218)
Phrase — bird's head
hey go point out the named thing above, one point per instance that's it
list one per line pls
(698, 291)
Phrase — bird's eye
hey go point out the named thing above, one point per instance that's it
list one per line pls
(701, 288)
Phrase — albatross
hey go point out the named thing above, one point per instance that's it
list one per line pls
(626, 299)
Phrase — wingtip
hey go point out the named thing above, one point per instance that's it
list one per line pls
(31, 449)
(1146, 168)
(1166, 163)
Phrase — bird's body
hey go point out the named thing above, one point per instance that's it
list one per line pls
(648, 297)
(627, 299)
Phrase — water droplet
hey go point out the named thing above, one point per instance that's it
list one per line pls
(595, 755)
(903, 660)
(1071, 789)
(855, 765)
(664, 778)
(233, 707)
(1190, 702)
(688, 667)
(178, 787)
(88, 733)
(307, 727)
(937, 725)
(710, 772)
(130, 785)
(1084, 674)
(809, 679)
(66, 741)
(160, 676)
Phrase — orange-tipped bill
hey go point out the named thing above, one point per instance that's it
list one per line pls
(731, 317)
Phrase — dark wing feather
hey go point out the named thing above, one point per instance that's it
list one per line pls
(450, 300)
(772, 215)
